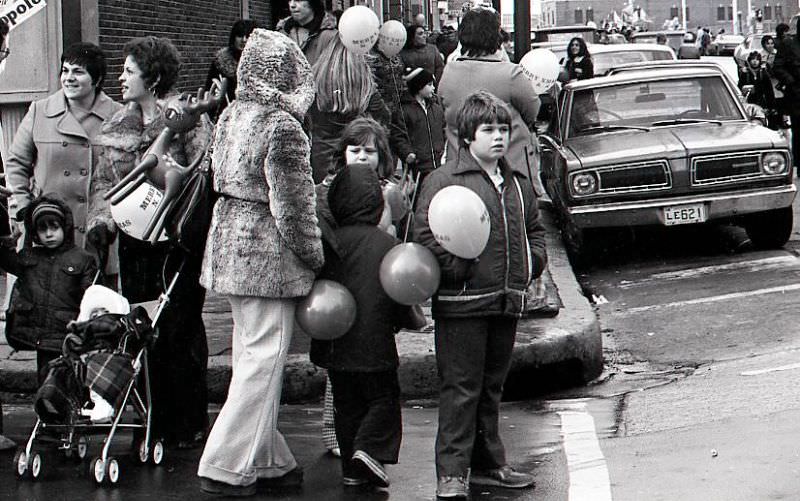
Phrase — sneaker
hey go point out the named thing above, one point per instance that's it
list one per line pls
(225, 489)
(371, 469)
(293, 478)
(354, 481)
(504, 476)
(452, 488)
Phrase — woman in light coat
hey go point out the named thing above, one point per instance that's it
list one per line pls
(263, 250)
(55, 148)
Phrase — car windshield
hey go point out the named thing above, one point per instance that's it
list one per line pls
(604, 61)
(647, 105)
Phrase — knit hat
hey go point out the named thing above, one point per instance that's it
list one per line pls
(47, 208)
(417, 78)
(96, 297)
(355, 196)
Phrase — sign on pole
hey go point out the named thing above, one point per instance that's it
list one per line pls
(16, 12)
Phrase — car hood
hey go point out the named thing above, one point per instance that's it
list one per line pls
(671, 142)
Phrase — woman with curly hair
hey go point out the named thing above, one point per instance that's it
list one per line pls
(418, 53)
(226, 60)
(346, 90)
(480, 66)
(178, 360)
(577, 65)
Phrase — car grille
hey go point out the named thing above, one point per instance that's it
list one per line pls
(725, 168)
(647, 176)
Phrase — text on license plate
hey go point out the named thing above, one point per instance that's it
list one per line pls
(684, 214)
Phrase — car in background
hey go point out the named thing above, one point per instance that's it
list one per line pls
(555, 36)
(724, 44)
(682, 42)
(751, 42)
(605, 57)
(664, 146)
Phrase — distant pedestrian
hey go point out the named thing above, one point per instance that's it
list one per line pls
(755, 77)
(262, 253)
(362, 364)
(480, 300)
(424, 117)
(226, 61)
(418, 53)
(52, 275)
(577, 64)
(787, 70)
(310, 27)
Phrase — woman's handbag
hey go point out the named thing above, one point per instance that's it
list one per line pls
(189, 219)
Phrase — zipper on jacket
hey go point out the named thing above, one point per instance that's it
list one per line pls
(508, 243)
(430, 138)
(525, 241)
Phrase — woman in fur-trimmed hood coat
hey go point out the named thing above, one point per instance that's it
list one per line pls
(263, 250)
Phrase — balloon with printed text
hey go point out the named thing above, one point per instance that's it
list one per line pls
(328, 312)
(541, 67)
(459, 221)
(391, 38)
(358, 29)
(409, 273)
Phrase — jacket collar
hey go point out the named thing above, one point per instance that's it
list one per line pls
(466, 163)
(56, 106)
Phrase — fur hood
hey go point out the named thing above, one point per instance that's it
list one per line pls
(275, 73)
(226, 62)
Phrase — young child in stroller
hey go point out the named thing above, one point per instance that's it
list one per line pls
(89, 379)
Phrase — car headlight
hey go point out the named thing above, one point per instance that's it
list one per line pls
(773, 163)
(584, 183)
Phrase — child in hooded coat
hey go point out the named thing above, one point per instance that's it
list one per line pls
(362, 364)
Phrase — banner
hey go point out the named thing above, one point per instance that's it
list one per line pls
(16, 12)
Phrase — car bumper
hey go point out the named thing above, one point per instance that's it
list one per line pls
(650, 212)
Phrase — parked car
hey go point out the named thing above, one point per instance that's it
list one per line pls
(750, 43)
(664, 146)
(674, 38)
(605, 57)
(713, 64)
(555, 36)
(724, 44)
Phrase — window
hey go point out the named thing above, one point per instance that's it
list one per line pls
(730, 13)
(688, 18)
(578, 16)
(779, 13)
(589, 14)
(767, 12)
(721, 13)
(674, 12)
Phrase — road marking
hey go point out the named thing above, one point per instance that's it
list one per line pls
(711, 299)
(771, 369)
(755, 265)
(588, 473)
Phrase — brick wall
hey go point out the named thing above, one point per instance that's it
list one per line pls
(197, 27)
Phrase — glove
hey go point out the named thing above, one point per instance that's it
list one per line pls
(100, 236)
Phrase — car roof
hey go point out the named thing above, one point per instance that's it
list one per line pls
(669, 63)
(562, 29)
(649, 74)
(642, 34)
(628, 47)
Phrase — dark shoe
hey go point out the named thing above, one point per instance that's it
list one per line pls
(293, 478)
(224, 489)
(452, 488)
(370, 469)
(504, 476)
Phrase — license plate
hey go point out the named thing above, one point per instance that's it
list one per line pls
(684, 214)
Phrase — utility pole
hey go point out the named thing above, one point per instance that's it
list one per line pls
(683, 15)
(522, 28)
(735, 20)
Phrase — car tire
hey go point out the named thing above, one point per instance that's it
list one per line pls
(770, 229)
(575, 243)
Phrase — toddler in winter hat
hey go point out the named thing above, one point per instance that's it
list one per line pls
(416, 79)
(45, 209)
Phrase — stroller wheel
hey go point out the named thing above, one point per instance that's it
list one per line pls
(36, 465)
(97, 469)
(82, 447)
(21, 464)
(158, 452)
(113, 470)
(142, 451)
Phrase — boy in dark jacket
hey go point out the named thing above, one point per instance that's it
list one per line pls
(479, 301)
(362, 364)
(52, 275)
(424, 118)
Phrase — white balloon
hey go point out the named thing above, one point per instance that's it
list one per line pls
(134, 212)
(541, 67)
(459, 221)
(392, 38)
(358, 29)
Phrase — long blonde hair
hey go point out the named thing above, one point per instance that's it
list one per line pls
(344, 80)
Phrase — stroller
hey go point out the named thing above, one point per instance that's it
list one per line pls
(109, 354)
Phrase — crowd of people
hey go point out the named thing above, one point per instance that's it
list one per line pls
(303, 147)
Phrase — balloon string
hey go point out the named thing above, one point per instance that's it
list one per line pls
(411, 209)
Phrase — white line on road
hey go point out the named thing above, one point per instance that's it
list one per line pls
(771, 369)
(588, 473)
(754, 265)
(711, 299)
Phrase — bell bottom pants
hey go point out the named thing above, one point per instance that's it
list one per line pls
(244, 443)
(473, 356)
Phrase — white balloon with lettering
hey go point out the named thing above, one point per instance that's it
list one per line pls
(541, 67)
(358, 29)
(459, 221)
(391, 38)
(134, 212)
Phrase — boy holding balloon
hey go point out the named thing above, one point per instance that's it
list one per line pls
(479, 216)
(362, 363)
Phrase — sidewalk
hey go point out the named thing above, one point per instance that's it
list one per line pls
(573, 335)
